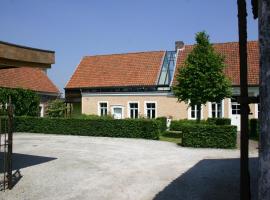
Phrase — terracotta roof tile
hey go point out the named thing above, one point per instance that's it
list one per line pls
(28, 78)
(231, 52)
(130, 69)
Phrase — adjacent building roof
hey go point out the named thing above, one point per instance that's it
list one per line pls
(130, 69)
(28, 78)
(230, 51)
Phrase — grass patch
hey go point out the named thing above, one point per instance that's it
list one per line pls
(170, 139)
(171, 136)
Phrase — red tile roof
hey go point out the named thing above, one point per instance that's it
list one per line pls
(231, 52)
(28, 78)
(130, 69)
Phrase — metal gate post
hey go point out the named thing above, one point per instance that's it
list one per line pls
(10, 141)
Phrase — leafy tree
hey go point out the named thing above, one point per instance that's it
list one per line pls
(26, 102)
(56, 108)
(201, 78)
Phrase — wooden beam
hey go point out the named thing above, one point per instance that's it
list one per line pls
(12, 55)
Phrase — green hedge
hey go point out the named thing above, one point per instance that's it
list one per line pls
(3, 124)
(254, 129)
(207, 135)
(219, 121)
(127, 128)
(177, 124)
(163, 123)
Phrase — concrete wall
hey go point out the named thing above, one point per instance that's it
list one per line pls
(166, 105)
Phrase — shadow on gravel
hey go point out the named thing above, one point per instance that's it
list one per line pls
(210, 179)
(23, 160)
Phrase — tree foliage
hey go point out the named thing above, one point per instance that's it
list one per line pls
(201, 78)
(26, 102)
(56, 108)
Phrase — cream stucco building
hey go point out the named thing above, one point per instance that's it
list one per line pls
(134, 85)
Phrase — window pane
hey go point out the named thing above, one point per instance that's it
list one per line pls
(192, 114)
(198, 112)
(131, 113)
(148, 113)
(153, 114)
(136, 114)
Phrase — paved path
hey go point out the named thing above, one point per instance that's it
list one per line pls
(91, 168)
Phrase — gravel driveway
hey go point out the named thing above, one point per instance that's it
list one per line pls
(95, 168)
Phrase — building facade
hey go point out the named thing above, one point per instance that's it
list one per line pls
(135, 85)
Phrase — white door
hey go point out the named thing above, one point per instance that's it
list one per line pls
(235, 113)
(117, 113)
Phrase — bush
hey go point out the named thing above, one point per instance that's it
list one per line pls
(206, 135)
(128, 128)
(177, 124)
(26, 102)
(3, 124)
(56, 108)
(254, 129)
(85, 116)
(163, 123)
(219, 121)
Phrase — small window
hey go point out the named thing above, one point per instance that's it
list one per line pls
(103, 109)
(151, 110)
(216, 109)
(133, 110)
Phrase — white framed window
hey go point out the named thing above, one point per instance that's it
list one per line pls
(133, 109)
(193, 112)
(102, 108)
(216, 109)
(150, 109)
(235, 106)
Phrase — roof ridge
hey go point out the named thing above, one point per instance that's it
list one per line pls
(221, 43)
(138, 52)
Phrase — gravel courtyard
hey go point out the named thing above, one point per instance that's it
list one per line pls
(95, 168)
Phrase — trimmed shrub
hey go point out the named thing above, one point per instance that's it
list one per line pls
(254, 129)
(219, 121)
(206, 135)
(163, 123)
(128, 128)
(177, 124)
(84, 116)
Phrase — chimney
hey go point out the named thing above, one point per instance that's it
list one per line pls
(179, 45)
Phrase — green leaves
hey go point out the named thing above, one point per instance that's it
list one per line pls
(56, 108)
(201, 78)
(26, 102)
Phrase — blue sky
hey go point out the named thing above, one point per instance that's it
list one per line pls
(76, 28)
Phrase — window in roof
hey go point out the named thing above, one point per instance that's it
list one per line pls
(168, 67)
